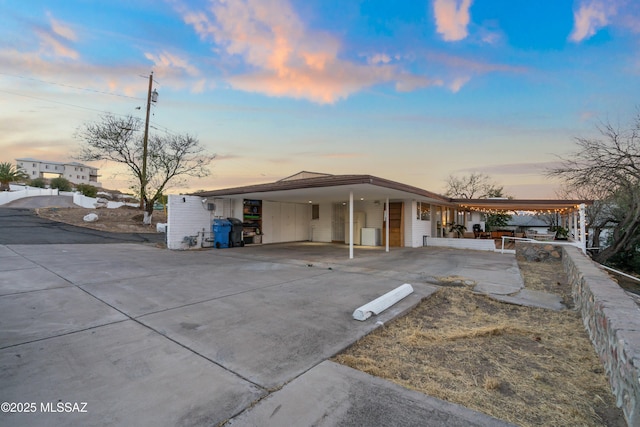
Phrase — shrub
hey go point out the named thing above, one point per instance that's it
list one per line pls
(61, 183)
(38, 183)
(87, 190)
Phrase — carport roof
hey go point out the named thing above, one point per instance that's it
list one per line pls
(334, 188)
(328, 188)
(534, 205)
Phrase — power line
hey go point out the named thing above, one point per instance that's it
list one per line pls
(73, 87)
(55, 102)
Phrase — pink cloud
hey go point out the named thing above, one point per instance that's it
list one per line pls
(285, 58)
(62, 30)
(452, 18)
(590, 17)
(462, 69)
(57, 39)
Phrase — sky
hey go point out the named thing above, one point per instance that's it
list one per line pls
(411, 91)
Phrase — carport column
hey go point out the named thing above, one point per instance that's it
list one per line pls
(583, 234)
(350, 224)
(575, 224)
(386, 225)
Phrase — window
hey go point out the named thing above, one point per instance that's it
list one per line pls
(423, 211)
(315, 211)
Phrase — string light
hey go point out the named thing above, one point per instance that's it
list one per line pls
(561, 211)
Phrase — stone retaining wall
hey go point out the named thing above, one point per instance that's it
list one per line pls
(538, 251)
(612, 320)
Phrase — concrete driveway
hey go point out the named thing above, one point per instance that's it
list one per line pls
(129, 334)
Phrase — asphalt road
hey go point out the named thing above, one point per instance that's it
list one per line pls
(20, 226)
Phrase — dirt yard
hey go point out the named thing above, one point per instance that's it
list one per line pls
(122, 220)
(527, 366)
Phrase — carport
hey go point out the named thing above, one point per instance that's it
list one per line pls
(571, 212)
(319, 207)
(307, 188)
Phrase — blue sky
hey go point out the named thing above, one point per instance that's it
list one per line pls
(411, 91)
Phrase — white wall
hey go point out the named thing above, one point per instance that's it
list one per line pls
(188, 216)
(90, 202)
(321, 227)
(417, 227)
(20, 191)
(285, 222)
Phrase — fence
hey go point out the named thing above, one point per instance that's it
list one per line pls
(22, 191)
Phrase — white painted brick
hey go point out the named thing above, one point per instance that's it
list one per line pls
(187, 216)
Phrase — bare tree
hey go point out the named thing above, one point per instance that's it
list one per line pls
(612, 165)
(169, 158)
(599, 215)
(474, 186)
(478, 186)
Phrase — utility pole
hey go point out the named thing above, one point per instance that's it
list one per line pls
(151, 97)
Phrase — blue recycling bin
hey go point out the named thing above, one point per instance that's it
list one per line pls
(221, 232)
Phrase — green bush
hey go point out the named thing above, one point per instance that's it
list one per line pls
(38, 183)
(61, 183)
(87, 190)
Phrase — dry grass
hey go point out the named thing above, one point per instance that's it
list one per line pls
(528, 366)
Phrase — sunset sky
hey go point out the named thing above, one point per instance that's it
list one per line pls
(411, 91)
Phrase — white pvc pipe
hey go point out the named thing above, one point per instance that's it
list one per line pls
(383, 302)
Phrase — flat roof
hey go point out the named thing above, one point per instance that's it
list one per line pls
(521, 205)
(328, 188)
(336, 188)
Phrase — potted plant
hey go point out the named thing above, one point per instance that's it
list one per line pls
(457, 230)
(561, 232)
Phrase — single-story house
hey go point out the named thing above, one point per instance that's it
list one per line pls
(350, 209)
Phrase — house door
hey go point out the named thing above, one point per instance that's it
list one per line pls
(396, 225)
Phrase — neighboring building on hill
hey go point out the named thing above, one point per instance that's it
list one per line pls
(75, 172)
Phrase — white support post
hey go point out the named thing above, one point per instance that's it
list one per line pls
(583, 229)
(386, 226)
(351, 225)
(575, 224)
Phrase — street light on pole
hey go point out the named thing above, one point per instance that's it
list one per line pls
(151, 97)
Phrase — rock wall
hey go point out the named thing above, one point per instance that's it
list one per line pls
(538, 251)
(612, 320)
